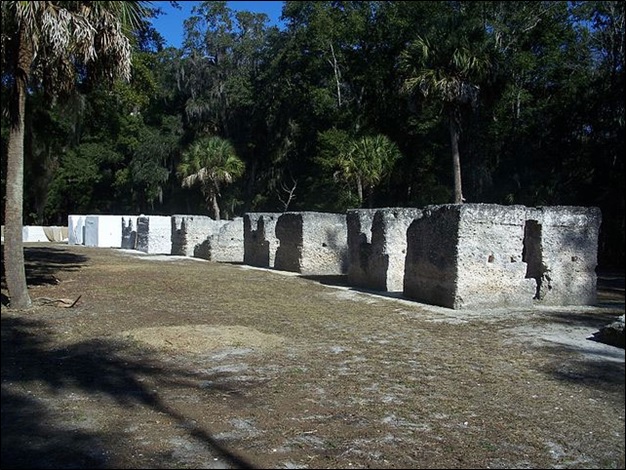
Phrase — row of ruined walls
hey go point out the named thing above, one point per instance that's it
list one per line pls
(456, 256)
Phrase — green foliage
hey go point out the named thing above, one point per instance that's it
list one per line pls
(137, 94)
(210, 162)
(311, 112)
(73, 188)
(362, 162)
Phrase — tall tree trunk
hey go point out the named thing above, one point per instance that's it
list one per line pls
(14, 268)
(359, 190)
(335, 66)
(212, 200)
(456, 158)
(216, 208)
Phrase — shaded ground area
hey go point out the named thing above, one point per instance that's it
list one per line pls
(170, 362)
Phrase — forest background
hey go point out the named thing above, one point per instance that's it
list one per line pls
(350, 104)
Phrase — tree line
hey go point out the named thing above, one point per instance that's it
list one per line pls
(349, 104)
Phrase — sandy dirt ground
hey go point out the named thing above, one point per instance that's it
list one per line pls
(172, 362)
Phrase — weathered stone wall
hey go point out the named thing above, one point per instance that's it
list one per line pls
(56, 233)
(225, 245)
(377, 247)
(360, 255)
(76, 229)
(259, 238)
(389, 242)
(191, 231)
(312, 243)
(486, 255)
(430, 266)
(562, 248)
(491, 271)
(457, 256)
(289, 231)
(154, 234)
(129, 233)
(33, 233)
(40, 233)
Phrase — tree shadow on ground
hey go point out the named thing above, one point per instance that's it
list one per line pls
(582, 363)
(30, 440)
(43, 263)
(33, 436)
(586, 367)
(339, 280)
(596, 322)
(593, 320)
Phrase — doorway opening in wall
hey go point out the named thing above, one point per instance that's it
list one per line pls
(532, 255)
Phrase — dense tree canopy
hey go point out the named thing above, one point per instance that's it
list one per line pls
(528, 95)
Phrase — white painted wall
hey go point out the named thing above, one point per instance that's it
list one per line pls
(104, 231)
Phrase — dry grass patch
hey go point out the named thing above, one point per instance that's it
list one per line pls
(167, 362)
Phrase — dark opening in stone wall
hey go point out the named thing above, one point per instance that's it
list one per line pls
(532, 255)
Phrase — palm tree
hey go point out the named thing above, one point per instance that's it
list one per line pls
(447, 65)
(210, 162)
(363, 162)
(44, 45)
(367, 161)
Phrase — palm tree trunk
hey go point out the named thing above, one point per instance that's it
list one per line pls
(456, 158)
(214, 207)
(14, 268)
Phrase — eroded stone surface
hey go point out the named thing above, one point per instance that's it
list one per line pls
(312, 243)
(259, 238)
(487, 255)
